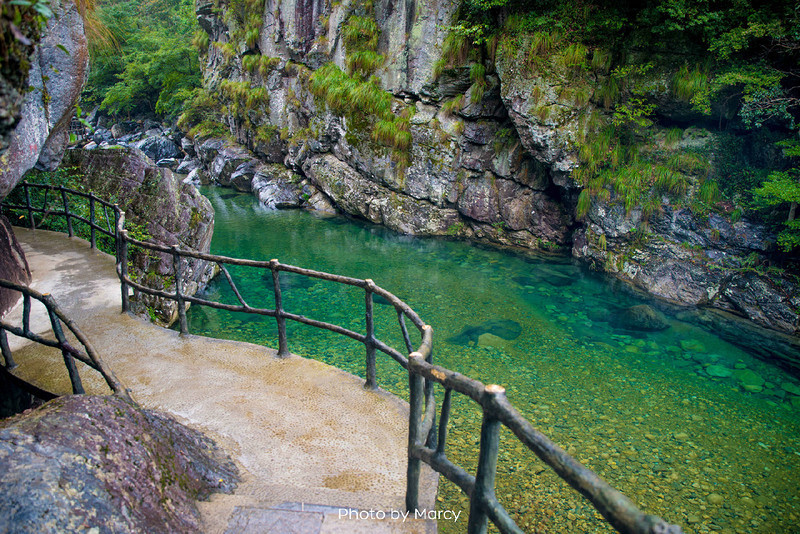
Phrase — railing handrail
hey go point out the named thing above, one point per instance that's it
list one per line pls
(426, 442)
(58, 319)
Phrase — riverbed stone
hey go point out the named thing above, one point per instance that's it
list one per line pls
(719, 371)
(642, 317)
(749, 380)
(790, 387)
(692, 345)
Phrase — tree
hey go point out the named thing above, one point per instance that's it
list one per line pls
(782, 188)
(153, 67)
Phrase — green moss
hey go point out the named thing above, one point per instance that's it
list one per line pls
(367, 107)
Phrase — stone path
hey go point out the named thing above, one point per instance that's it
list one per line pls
(309, 440)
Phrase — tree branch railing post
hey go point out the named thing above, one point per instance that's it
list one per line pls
(69, 361)
(92, 224)
(31, 222)
(122, 257)
(369, 342)
(283, 344)
(485, 474)
(6, 350)
(176, 265)
(67, 213)
(416, 392)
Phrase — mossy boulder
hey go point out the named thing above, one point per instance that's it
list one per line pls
(156, 202)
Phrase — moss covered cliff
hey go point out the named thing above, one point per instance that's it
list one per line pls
(637, 137)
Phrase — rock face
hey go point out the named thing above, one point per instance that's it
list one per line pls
(460, 179)
(158, 204)
(58, 71)
(487, 150)
(33, 124)
(13, 265)
(685, 262)
(18, 39)
(101, 464)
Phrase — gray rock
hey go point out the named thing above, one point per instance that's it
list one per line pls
(188, 147)
(227, 160)
(56, 79)
(101, 135)
(187, 165)
(122, 469)
(197, 176)
(642, 317)
(242, 178)
(170, 163)
(207, 149)
(157, 147)
(277, 187)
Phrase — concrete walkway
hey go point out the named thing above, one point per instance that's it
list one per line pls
(308, 438)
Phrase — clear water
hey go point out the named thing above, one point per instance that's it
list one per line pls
(637, 408)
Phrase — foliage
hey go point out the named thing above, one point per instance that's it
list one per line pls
(366, 106)
(737, 62)
(202, 115)
(780, 189)
(147, 63)
(357, 94)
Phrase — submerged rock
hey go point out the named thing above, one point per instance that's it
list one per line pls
(502, 328)
(102, 464)
(719, 371)
(749, 380)
(642, 317)
(692, 345)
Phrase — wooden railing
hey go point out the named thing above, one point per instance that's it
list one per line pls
(427, 441)
(58, 320)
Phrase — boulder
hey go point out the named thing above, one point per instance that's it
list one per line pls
(207, 150)
(169, 163)
(197, 177)
(13, 265)
(227, 160)
(642, 317)
(242, 178)
(171, 212)
(187, 165)
(188, 147)
(157, 147)
(101, 135)
(103, 464)
(749, 380)
(277, 187)
(57, 73)
(14, 71)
